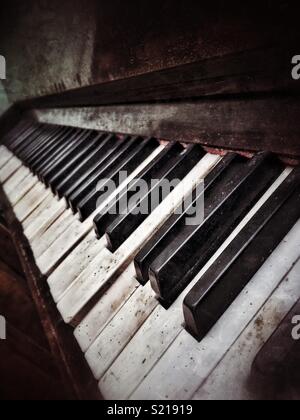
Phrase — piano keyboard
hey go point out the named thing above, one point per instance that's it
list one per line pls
(161, 309)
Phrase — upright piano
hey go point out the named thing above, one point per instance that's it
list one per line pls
(161, 304)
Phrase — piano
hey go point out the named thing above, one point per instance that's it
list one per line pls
(159, 305)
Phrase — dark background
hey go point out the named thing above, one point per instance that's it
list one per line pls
(52, 46)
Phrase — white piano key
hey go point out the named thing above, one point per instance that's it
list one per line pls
(76, 231)
(24, 186)
(191, 361)
(104, 272)
(5, 156)
(15, 180)
(119, 331)
(65, 242)
(110, 304)
(74, 265)
(30, 201)
(44, 216)
(160, 330)
(42, 242)
(228, 380)
(32, 217)
(9, 169)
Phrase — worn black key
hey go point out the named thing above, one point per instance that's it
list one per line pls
(163, 236)
(64, 146)
(21, 138)
(40, 143)
(232, 271)
(16, 137)
(115, 146)
(128, 163)
(30, 148)
(28, 141)
(46, 146)
(154, 170)
(17, 131)
(48, 133)
(226, 204)
(64, 157)
(176, 169)
(99, 154)
(54, 147)
(83, 189)
(31, 143)
(91, 142)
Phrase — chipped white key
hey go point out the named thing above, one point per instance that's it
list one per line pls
(77, 231)
(191, 361)
(106, 268)
(227, 381)
(9, 169)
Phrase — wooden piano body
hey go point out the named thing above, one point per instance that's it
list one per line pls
(205, 74)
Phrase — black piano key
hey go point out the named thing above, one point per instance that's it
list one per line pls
(39, 143)
(64, 157)
(91, 142)
(96, 157)
(163, 236)
(28, 141)
(48, 132)
(154, 170)
(128, 164)
(225, 206)
(232, 271)
(21, 138)
(15, 138)
(126, 224)
(101, 171)
(17, 131)
(45, 148)
(64, 145)
(55, 145)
